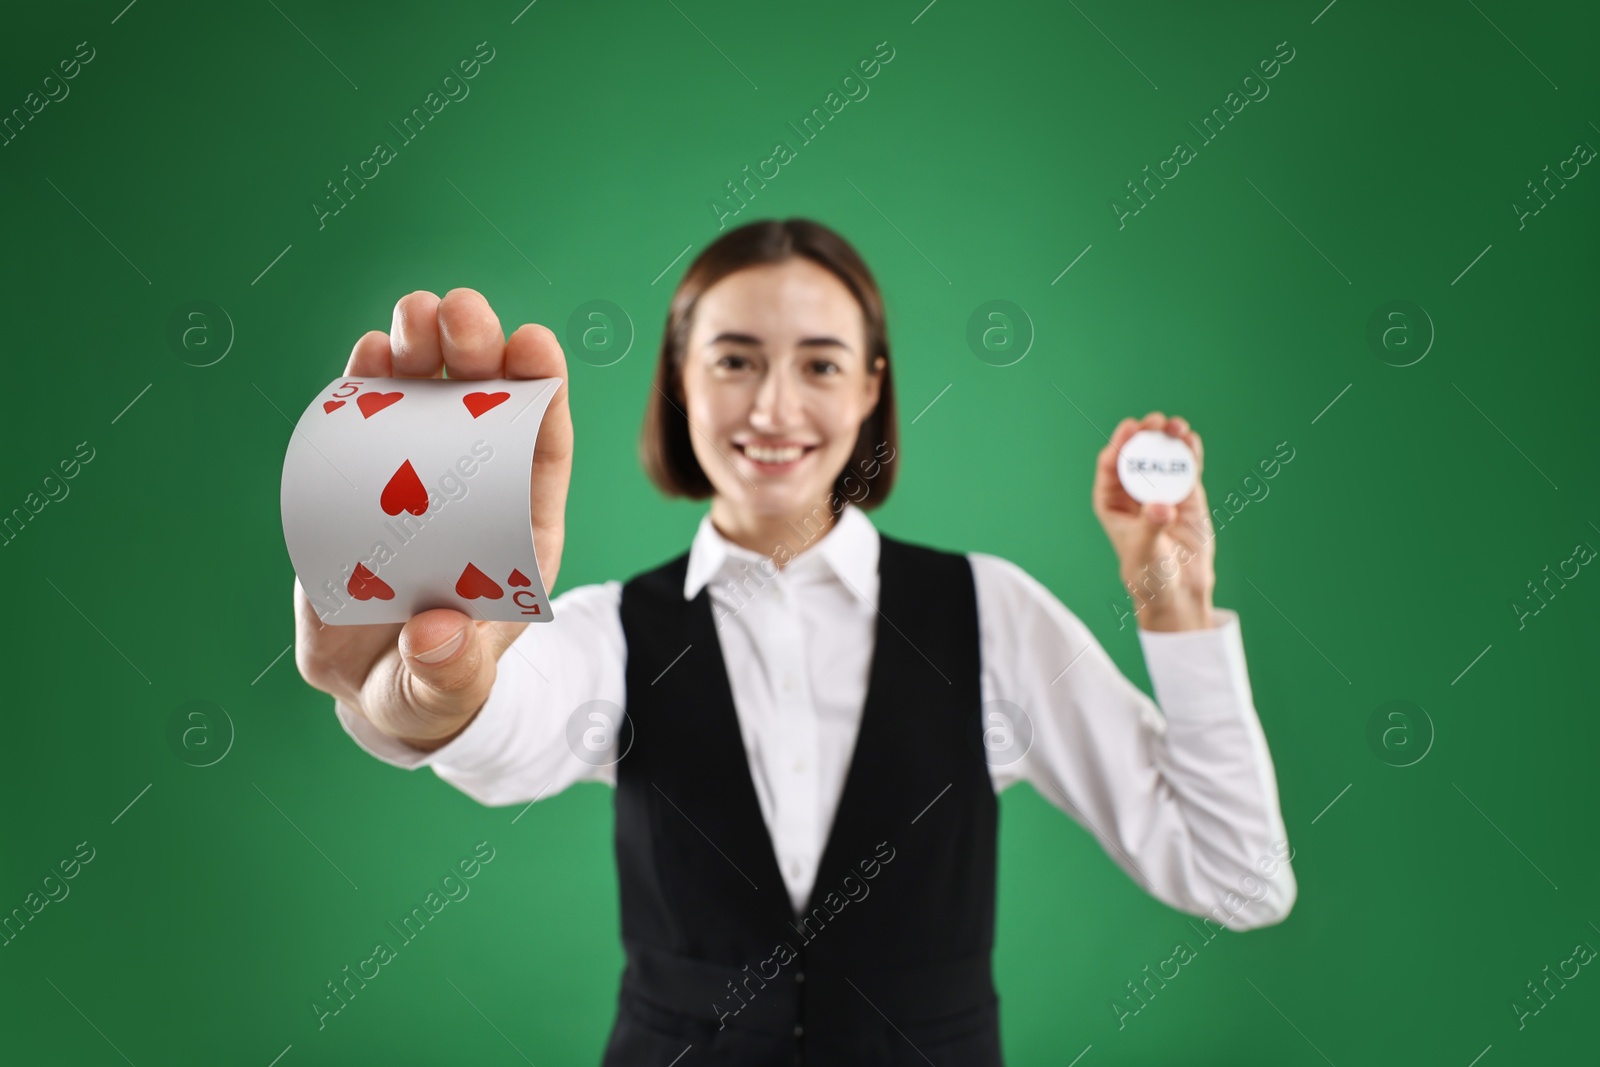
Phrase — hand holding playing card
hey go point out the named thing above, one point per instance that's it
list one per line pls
(423, 680)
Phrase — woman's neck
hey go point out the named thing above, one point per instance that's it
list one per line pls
(765, 533)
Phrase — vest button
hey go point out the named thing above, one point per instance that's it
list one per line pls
(799, 1031)
(799, 976)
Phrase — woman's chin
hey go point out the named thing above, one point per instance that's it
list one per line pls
(774, 503)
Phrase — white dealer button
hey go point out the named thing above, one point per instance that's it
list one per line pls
(1156, 468)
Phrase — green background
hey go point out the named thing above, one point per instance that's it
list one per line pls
(1382, 566)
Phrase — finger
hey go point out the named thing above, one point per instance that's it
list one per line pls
(1179, 427)
(1113, 448)
(1114, 499)
(1140, 528)
(1153, 421)
(336, 659)
(1127, 428)
(441, 650)
(470, 340)
(414, 336)
(1106, 478)
(371, 357)
(534, 352)
(1108, 493)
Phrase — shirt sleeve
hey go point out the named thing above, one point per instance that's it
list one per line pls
(553, 716)
(1182, 796)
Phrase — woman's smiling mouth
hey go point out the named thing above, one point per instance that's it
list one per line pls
(773, 457)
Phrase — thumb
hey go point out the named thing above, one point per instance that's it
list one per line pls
(442, 653)
(1142, 536)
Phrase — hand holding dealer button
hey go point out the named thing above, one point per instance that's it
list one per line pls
(1149, 497)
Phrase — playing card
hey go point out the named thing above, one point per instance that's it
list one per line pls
(405, 494)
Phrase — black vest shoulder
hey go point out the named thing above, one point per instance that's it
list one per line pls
(891, 960)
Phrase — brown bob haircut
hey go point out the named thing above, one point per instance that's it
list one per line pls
(664, 446)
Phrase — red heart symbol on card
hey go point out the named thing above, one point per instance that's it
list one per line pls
(372, 403)
(473, 584)
(330, 406)
(404, 492)
(478, 403)
(518, 578)
(364, 585)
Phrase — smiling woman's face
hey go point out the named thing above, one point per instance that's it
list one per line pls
(776, 386)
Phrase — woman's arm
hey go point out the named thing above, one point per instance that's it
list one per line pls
(1183, 797)
(551, 717)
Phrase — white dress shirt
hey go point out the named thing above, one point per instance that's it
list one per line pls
(1183, 797)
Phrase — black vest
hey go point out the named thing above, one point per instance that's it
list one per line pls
(890, 964)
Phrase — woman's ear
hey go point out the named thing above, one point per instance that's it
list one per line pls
(875, 384)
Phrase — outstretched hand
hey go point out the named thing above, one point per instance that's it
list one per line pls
(424, 681)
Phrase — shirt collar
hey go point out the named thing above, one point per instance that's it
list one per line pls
(849, 551)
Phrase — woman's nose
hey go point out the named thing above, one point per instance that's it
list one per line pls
(777, 404)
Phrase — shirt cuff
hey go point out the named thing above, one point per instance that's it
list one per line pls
(1199, 674)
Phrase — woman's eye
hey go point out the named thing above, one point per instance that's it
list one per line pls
(732, 362)
(825, 367)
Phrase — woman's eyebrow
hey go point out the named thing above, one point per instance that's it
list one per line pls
(748, 339)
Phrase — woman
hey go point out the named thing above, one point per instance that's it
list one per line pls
(818, 717)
